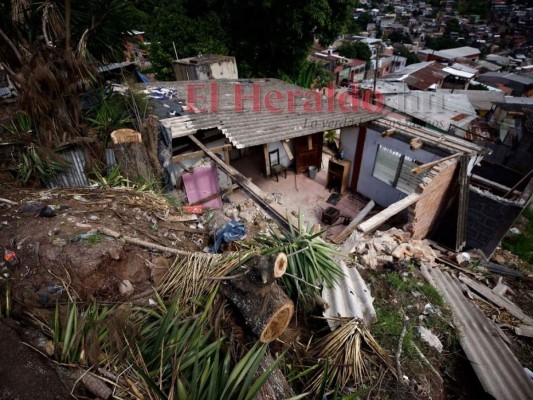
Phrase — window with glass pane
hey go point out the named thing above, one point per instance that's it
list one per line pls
(395, 168)
(407, 181)
(386, 165)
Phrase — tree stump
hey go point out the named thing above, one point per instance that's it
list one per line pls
(266, 309)
(131, 156)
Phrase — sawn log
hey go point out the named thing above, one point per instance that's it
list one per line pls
(266, 309)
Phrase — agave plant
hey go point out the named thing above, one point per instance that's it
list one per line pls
(311, 260)
(181, 358)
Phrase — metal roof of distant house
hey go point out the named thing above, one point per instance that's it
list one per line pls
(452, 54)
(459, 73)
(481, 100)
(419, 76)
(488, 65)
(464, 68)
(246, 126)
(437, 109)
(522, 79)
(385, 87)
(364, 39)
(498, 59)
(460, 52)
(521, 107)
(204, 59)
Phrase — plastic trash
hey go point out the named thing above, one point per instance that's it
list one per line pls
(232, 231)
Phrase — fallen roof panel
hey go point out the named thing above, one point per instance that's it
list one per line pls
(497, 368)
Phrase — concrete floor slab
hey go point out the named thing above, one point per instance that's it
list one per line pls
(298, 192)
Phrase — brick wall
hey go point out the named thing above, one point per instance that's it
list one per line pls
(489, 219)
(434, 196)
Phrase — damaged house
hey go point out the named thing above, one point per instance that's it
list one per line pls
(426, 176)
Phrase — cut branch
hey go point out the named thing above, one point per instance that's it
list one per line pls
(11, 45)
(399, 351)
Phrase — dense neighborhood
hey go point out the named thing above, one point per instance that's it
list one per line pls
(266, 200)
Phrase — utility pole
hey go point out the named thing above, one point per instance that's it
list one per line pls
(378, 47)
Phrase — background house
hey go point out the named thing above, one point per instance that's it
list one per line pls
(205, 67)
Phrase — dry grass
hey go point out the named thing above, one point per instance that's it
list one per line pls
(344, 362)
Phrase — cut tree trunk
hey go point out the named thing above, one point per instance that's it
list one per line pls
(276, 387)
(150, 133)
(132, 157)
(266, 309)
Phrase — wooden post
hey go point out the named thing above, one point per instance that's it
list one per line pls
(267, 160)
(353, 225)
(378, 219)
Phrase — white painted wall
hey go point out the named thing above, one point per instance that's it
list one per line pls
(224, 70)
(349, 144)
(284, 158)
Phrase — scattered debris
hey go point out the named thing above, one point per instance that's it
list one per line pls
(524, 330)
(496, 299)
(125, 287)
(490, 357)
(429, 337)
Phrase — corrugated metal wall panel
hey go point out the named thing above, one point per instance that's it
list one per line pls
(73, 176)
(497, 368)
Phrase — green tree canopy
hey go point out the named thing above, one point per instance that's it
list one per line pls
(267, 37)
(357, 50)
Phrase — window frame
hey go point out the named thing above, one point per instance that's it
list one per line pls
(399, 169)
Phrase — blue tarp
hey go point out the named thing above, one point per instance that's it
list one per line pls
(142, 77)
(233, 230)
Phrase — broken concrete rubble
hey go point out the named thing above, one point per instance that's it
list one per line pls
(391, 245)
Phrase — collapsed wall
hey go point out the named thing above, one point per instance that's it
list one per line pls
(489, 218)
(434, 198)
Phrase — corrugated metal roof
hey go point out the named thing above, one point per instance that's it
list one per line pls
(480, 99)
(419, 76)
(435, 108)
(349, 298)
(497, 368)
(251, 127)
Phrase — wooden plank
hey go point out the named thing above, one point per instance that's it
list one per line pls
(287, 149)
(518, 184)
(460, 237)
(378, 219)
(279, 214)
(483, 181)
(355, 222)
(266, 156)
(498, 300)
(425, 167)
(527, 193)
(310, 142)
(215, 195)
(200, 153)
